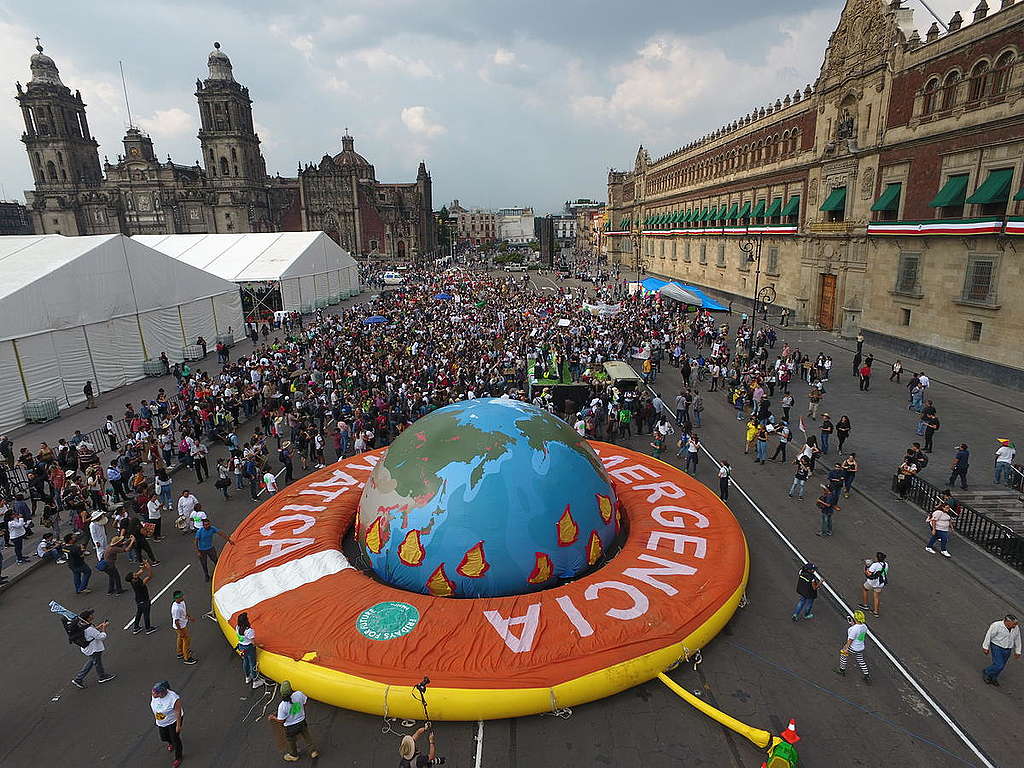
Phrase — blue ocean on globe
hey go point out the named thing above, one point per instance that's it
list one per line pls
(486, 497)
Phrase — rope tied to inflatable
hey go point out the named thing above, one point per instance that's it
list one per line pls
(563, 712)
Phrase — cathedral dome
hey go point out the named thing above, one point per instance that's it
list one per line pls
(219, 64)
(348, 154)
(44, 70)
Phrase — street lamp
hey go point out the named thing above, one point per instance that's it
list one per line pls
(637, 237)
(751, 247)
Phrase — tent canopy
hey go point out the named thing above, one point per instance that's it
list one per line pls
(683, 296)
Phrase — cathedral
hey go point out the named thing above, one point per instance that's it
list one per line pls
(230, 192)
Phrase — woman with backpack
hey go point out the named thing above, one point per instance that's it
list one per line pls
(876, 576)
(807, 584)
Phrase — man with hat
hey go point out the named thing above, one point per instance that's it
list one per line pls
(1004, 461)
(410, 754)
(98, 532)
(291, 714)
(168, 714)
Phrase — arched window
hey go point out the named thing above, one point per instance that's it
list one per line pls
(979, 81)
(51, 171)
(949, 89)
(212, 164)
(234, 157)
(1001, 74)
(236, 170)
(931, 91)
(224, 166)
(63, 175)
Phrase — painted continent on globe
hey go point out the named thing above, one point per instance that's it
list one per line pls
(486, 497)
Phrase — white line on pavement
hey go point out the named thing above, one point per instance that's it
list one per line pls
(936, 707)
(479, 743)
(158, 594)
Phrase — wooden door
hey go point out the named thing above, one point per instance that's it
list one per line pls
(827, 305)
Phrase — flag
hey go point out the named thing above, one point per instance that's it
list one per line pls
(803, 427)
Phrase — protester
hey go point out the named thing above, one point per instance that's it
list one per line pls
(168, 713)
(180, 619)
(1001, 639)
(855, 642)
(876, 576)
(139, 582)
(291, 714)
(807, 584)
(93, 651)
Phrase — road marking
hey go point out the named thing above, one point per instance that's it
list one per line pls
(479, 742)
(158, 594)
(279, 473)
(936, 707)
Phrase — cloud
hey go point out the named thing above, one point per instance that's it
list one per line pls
(503, 57)
(303, 44)
(419, 120)
(382, 60)
(168, 123)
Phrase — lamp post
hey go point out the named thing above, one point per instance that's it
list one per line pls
(762, 297)
(637, 236)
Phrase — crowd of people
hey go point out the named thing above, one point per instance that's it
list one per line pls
(319, 388)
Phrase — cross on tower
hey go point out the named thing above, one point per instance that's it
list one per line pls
(39, 46)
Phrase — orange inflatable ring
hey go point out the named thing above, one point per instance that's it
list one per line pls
(350, 641)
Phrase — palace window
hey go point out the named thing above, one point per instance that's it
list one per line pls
(1000, 78)
(773, 261)
(949, 89)
(887, 206)
(994, 193)
(686, 251)
(973, 330)
(908, 275)
(904, 316)
(980, 280)
(834, 206)
(721, 255)
(980, 82)
(931, 93)
(949, 203)
(703, 253)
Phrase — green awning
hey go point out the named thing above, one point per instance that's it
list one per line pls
(744, 211)
(953, 192)
(775, 209)
(793, 206)
(996, 188)
(836, 201)
(1020, 194)
(717, 214)
(660, 221)
(689, 216)
(647, 222)
(705, 214)
(624, 224)
(734, 209)
(680, 216)
(889, 200)
(759, 209)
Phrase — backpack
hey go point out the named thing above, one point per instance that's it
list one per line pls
(882, 576)
(75, 630)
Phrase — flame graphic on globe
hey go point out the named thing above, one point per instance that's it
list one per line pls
(484, 498)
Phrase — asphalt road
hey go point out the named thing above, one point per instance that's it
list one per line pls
(763, 669)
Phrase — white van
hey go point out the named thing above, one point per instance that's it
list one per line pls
(392, 278)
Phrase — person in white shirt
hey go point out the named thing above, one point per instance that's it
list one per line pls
(1004, 462)
(855, 637)
(939, 520)
(876, 576)
(98, 532)
(153, 511)
(179, 621)
(291, 714)
(270, 481)
(1002, 638)
(168, 714)
(94, 650)
(186, 505)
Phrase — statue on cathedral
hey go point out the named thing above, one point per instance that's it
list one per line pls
(846, 126)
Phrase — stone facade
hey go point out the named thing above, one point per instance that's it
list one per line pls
(476, 226)
(842, 187)
(342, 197)
(229, 192)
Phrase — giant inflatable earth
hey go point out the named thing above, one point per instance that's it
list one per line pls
(486, 497)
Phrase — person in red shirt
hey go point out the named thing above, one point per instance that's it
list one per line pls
(865, 377)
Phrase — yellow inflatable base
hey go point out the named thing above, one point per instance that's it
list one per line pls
(467, 704)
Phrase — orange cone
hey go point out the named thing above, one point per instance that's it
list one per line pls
(790, 735)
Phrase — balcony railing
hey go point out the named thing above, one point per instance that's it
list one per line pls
(832, 227)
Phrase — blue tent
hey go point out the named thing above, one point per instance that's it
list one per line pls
(374, 319)
(442, 296)
(652, 284)
(706, 301)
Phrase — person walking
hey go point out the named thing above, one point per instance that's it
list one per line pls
(109, 563)
(205, 549)
(856, 636)
(784, 434)
(1004, 461)
(80, 572)
(761, 444)
(724, 473)
(803, 471)
(843, 428)
(814, 398)
(93, 651)
(827, 506)
(247, 650)
(291, 714)
(961, 463)
(807, 584)
(692, 454)
(17, 527)
(90, 397)
(179, 621)
(876, 576)
(930, 420)
(1002, 638)
(698, 408)
(138, 580)
(939, 520)
(826, 429)
(223, 482)
(897, 369)
(849, 467)
(168, 714)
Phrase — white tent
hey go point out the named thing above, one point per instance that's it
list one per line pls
(79, 309)
(310, 268)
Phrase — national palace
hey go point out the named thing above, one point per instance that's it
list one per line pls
(886, 199)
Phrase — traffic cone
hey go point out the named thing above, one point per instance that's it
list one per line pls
(790, 735)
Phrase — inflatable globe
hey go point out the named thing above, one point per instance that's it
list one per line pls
(484, 498)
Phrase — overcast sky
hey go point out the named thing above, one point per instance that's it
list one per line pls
(509, 103)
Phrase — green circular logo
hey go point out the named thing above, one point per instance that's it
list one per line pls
(386, 621)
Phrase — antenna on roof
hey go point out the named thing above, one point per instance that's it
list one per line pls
(124, 85)
(940, 22)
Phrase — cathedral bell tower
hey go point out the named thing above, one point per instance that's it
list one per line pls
(231, 149)
(62, 153)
